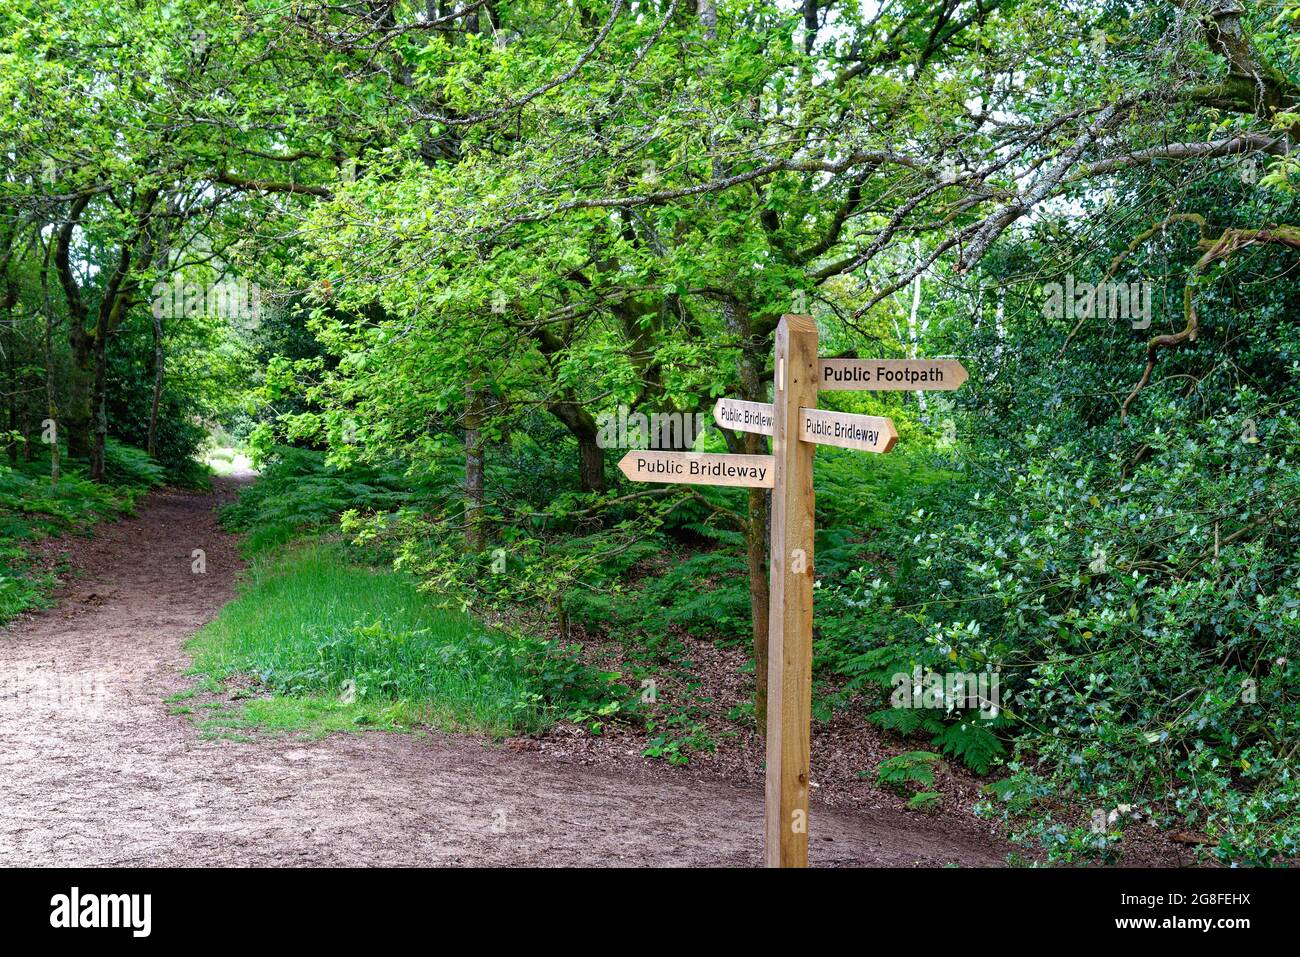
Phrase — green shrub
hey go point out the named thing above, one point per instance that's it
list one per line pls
(1141, 668)
(298, 492)
(903, 770)
(131, 467)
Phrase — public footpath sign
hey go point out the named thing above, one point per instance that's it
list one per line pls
(892, 375)
(797, 427)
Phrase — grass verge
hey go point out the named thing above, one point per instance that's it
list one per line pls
(330, 645)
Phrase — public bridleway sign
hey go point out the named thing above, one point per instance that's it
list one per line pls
(698, 468)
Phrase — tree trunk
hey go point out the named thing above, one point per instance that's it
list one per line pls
(117, 299)
(158, 357)
(1000, 328)
(809, 24)
(51, 402)
(11, 379)
(591, 457)
(591, 463)
(76, 425)
(474, 537)
(81, 378)
(7, 303)
(707, 10)
(101, 410)
(758, 519)
(51, 410)
(914, 327)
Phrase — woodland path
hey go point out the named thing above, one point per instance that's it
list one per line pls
(95, 771)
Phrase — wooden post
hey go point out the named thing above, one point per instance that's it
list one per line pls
(789, 669)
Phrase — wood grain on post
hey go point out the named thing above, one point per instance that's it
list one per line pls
(789, 668)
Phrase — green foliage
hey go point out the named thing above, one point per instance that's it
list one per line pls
(909, 768)
(679, 740)
(1133, 585)
(971, 742)
(499, 233)
(21, 589)
(705, 593)
(179, 432)
(924, 800)
(298, 492)
(32, 508)
(131, 467)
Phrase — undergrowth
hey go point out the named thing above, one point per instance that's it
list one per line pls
(33, 508)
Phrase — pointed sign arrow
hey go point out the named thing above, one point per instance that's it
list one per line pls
(699, 468)
(869, 433)
(891, 375)
(745, 416)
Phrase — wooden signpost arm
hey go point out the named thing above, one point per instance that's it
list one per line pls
(789, 672)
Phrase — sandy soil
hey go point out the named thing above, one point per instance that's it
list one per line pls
(94, 771)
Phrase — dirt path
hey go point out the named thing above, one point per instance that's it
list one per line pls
(93, 769)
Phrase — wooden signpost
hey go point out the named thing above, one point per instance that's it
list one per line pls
(797, 427)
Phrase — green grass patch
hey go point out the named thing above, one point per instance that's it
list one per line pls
(21, 589)
(339, 646)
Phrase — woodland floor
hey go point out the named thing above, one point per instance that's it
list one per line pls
(94, 770)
